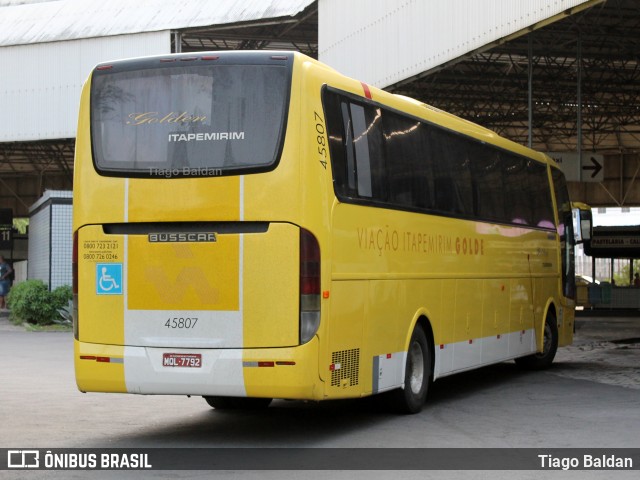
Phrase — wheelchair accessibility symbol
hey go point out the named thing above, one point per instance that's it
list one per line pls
(109, 279)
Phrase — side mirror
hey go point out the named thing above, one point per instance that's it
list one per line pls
(586, 228)
(582, 222)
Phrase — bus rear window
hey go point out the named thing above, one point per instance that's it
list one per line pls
(179, 121)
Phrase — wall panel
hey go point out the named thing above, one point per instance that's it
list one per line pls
(41, 83)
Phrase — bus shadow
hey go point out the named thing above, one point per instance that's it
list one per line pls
(309, 424)
(475, 382)
(283, 424)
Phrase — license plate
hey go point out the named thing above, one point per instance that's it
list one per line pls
(193, 360)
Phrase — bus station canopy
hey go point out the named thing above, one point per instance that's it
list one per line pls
(596, 48)
(54, 21)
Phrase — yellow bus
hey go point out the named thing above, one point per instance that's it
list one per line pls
(254, 225)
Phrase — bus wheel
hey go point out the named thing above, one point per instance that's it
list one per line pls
(542, 360)
(417, 377)
(238, 403)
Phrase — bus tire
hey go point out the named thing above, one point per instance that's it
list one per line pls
(237, 403)
(544, 359)
(417, 377)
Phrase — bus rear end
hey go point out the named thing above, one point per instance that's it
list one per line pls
(190, 277)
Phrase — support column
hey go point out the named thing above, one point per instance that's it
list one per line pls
(611, 272)
(530, 88)
(579, 102)
(177, 42)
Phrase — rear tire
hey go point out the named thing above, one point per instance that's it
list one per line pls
(238, 403)
(544, 359)
(417, 377)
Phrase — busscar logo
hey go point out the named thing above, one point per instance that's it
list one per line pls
(23, 459)
(182, 237)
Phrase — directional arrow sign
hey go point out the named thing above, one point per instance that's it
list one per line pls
(596, 166)
(590, 169)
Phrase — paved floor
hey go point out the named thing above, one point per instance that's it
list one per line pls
(5, 324)
(605, 350)
(589, 398)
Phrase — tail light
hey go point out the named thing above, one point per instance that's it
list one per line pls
(309, 286)
(74, 270)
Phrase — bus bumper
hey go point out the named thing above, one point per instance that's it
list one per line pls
(290, 372)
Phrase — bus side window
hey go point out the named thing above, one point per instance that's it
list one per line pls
(355, 143)
(348, 144)
(462, 177)
(540, 196)
(423, 182)
(446, 195)
(340, 145)
(361, 145)
(370, 161)
(486, 172)
(452, 174)
(409, 171)
(515, 189)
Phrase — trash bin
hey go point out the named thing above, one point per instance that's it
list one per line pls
(595, 295)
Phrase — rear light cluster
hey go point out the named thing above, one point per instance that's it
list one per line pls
(74, 269)
(309, 286)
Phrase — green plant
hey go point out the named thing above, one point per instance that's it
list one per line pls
(66, 315)
(62, 295)
(21, 224)
(621, 276)
(31, 302)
